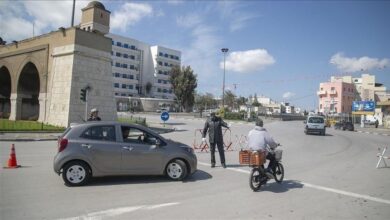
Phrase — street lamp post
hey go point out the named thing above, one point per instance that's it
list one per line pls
(224, 51)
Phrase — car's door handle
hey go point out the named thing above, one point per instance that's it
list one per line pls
(86, 145)
(128, 148)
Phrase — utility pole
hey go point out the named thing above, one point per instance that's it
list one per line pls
(74, 4)
(224, 51)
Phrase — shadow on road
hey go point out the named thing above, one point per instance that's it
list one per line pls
(281, 187)
(198, 176)
(236, 165)
(121, 180)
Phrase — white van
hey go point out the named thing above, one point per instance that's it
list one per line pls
(314, 124)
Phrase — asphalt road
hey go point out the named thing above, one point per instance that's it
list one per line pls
(327, 177)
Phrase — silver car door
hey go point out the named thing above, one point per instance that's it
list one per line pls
(139, 154)
(99, 144)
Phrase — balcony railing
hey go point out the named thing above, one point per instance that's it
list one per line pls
(333, 92)
(322, 92)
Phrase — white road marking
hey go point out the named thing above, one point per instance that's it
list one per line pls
(346, 193)
(117, 211)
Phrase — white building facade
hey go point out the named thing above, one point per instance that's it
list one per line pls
(140, 70)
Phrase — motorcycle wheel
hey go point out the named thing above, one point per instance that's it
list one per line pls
(255, 179)
(279, 173)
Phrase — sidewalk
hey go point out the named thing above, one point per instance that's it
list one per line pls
(372, 130)
(28, 136)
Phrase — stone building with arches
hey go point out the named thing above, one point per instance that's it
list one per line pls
(41, 77)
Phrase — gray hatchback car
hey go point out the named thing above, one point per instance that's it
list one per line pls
(111, 148)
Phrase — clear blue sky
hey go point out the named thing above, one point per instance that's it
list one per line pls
(280, 49)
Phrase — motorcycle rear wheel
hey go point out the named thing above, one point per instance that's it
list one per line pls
(279, 173)
(255, 178)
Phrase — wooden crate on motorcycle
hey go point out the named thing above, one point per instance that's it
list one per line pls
(257, 158)
(244, 156)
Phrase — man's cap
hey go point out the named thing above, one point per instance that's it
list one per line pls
(94, 110)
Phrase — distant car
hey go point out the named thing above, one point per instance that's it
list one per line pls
(344, 126)
(315, 124)
(111, 148)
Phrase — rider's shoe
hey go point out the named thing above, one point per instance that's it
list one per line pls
(212, 165)
(224, 165)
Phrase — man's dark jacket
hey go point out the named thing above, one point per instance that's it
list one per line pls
(214, 126)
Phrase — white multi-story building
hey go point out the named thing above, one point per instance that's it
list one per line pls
(141, 70)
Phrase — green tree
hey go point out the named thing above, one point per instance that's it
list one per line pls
(241, 100)
(229, 98)
(255, 101)
(184, 83)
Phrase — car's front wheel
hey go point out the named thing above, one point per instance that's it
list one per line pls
(176, 170)
(76, 173)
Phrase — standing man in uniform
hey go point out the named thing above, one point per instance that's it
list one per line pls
(214, 126)
(94, 116)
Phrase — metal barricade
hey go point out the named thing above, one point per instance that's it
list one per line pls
(241, 142)
(203, 146)
(227, 139)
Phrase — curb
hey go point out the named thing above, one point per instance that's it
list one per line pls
(374, 133)
(27, 139)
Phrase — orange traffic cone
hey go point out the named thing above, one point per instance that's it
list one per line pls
(12, 163)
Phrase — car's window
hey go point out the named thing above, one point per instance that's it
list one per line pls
(135, 135)
(316, 120)
(106, 133)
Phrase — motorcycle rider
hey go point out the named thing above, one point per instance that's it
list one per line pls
(258, 139)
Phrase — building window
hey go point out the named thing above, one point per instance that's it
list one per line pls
(123, 94)
(113, 43)
(124, 66)
(116, 93)
(124, 86)
(117, 74)
(132, 57)
(131, 87)
(131, 77)
(124, 76)
(132, 47)
(160, 54)
(116, 85)
(137, 77)
(159, 81)
(112, 53)
(165, 64)
(160, 63)
(131, 67)
(125, 55)
(332, 88)
(118, 54)
(126, 45)
(119, 44)
(117, 64)
(165, 91)
(158, 90)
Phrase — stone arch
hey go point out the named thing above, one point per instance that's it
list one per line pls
(28, 89)
(39, 65)
(5, 92)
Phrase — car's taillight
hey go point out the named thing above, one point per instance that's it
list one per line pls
(62, 143)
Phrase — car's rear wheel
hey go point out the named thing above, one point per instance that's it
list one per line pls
(76, 173)
(176, 170)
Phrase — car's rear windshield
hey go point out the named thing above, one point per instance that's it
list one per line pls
(318, 120)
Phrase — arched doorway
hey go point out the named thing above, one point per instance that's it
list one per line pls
(28, 92)
(5, 92)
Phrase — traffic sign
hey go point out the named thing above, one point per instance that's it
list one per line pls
(164, 116)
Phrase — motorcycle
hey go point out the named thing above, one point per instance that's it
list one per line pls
(259, 176)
